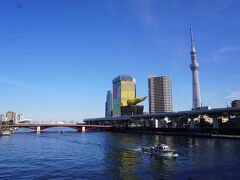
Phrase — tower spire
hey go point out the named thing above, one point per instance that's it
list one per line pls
(192, 40)
(195, 78)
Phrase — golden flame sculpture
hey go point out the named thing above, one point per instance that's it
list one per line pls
(135, 101)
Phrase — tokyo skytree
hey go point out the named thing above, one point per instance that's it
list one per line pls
(195, 79)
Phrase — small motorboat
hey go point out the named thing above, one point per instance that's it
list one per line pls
(6, 132)
(160, 150)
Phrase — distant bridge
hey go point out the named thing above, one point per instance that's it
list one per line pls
(39, 127)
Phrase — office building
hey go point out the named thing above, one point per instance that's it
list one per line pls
(20, 118)
(11, 117)
(2, 118)
(124, 88)
(108, 104)
(160, 94)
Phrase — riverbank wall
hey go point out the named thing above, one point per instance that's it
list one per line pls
(206, 133)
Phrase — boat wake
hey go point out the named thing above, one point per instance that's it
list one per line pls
(136, 149)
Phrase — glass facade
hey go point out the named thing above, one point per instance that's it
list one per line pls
(108, 104)
(124, 88)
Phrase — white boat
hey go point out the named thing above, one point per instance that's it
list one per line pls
(160, 150)
(5, 133)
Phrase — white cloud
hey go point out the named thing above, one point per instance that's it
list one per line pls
(145, 11)
(220, 53)
(20, 84)
(228, 49)
(233, 95)
(232, 77)
(213, 8)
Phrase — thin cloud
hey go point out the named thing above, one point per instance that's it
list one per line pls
(233, 95)
(232, 77)
(217, 7)
(220, 53)
(145, 11)
(229, 49)
(12, 82)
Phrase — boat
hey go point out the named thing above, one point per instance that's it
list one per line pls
(13, 130)
(160, 150)
(6, 132)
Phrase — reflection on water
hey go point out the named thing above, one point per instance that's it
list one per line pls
(107, 155)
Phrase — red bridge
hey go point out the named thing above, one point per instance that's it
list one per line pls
(78, 127)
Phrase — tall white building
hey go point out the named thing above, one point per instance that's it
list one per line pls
(160, 94)
(3, 118)
(20, 117)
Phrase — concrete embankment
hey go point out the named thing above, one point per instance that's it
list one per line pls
(208, 133)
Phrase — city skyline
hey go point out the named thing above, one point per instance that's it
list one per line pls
(58, 60)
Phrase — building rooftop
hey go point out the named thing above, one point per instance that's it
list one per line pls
(158, 76)
(123, 77)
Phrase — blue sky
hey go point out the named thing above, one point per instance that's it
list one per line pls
(58, 57)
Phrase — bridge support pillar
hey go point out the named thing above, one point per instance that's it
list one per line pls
(38, 129)
(146, 122)
(83, 129)
(156, 123)
(192, 124)
(215, 123)
(151, 123)
(174, 124)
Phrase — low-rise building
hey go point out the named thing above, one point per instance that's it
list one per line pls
(235, 103)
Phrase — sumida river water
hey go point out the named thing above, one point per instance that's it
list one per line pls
(107, 155)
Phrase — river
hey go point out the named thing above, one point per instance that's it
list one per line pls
(107, 155)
